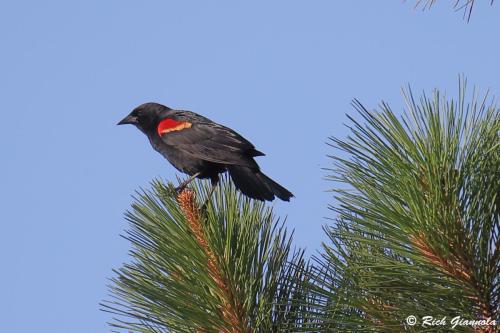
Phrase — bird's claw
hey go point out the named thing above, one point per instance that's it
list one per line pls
(180, 189)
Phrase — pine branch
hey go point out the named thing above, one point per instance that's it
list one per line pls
(465, 5)
(228, 268)
(417, 231)
(231, 308)
(458, 268)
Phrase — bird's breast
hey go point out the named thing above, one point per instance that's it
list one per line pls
(181, 160)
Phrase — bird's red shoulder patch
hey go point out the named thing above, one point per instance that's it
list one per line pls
(169, 125)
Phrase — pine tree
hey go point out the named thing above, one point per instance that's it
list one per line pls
(225, 267)
(416, 232)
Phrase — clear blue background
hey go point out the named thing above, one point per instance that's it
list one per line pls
(282, 73)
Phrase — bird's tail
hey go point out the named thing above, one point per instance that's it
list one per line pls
(254, 184)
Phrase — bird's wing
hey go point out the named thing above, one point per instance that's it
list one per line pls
(204, 139)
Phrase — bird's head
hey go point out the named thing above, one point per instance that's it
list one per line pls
(145, 116)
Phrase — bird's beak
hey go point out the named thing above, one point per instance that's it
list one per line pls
(128, 120)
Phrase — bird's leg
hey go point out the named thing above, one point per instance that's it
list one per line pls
(214, 185)
(185, 183)
(214, 181)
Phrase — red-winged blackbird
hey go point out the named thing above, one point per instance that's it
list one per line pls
(201, 148)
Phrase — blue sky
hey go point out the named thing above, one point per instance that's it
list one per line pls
(282, 73)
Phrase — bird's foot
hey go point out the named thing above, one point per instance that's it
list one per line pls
(179, 189)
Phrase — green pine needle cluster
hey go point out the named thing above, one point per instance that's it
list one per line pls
(417, 227)
(224, 268)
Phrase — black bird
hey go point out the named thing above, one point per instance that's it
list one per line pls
(201, 148)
